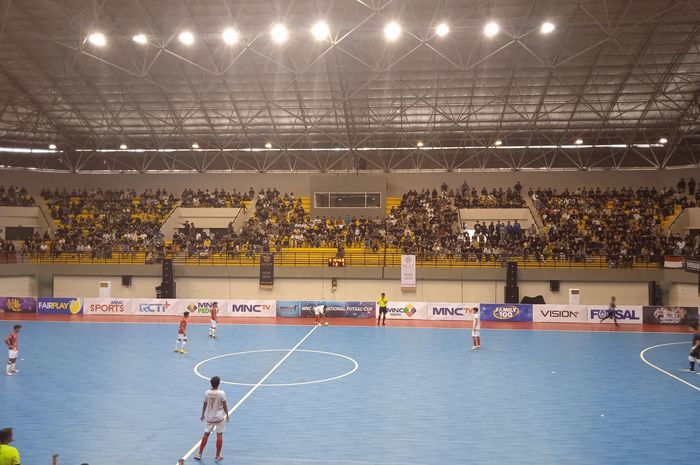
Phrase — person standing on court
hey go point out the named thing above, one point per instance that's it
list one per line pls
(8, 455)
(476, 329)
(216, 418)
(611, 312)
(12, 346)
(382, 302)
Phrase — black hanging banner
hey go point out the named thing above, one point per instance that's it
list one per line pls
(267, 269)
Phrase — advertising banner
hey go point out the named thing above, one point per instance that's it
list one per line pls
(60, 306)
(626, 314)
(267, 269)
(334, 309)
(252, 308)
(156, 307)
(202, 307)
(678, 316)
(450, 311)
(692, 265)
(506, 312)
(408, 271)
(104, 306)
(560, 313)
(18, 304)
(407, 311)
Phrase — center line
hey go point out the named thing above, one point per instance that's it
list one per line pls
(257, 385)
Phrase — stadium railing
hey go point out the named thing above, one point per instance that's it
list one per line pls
(321, 257)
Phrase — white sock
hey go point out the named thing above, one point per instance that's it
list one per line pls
(183, 345)
(213, 331)
(9, 367)
(12, 367)
(177, 345)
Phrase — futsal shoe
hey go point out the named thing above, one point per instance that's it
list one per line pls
(218, 458)
(183, 352)
(177, 350)
(197, 456)
(325, 324)
(15, 371)
(474, 348)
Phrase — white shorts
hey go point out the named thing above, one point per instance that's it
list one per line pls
(212, 323)
(219, 427)
(182, 337)
(12, 354)
(476, 333)
(319, 313)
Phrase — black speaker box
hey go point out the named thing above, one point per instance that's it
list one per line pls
(511, 294)
(554, 286)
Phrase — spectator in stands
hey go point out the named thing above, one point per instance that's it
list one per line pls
(681, 186)
(691, 187)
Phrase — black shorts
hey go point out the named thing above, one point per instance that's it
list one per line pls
(382, 309)
(695, 352)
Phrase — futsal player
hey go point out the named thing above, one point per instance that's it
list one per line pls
(216, 418)
(476, 329)
(213, 318)
(611, 312)
(319, 310)
(694, 354)
(12, 346)
(382, 302)
(182, 334)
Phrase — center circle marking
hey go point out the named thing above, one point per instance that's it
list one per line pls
(301, 383)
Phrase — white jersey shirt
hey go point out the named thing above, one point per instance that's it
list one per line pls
(476, 322)
(318, 309)
(215, 399)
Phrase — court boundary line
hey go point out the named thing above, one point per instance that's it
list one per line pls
(641, 355)
(255, 388)
(356, 366)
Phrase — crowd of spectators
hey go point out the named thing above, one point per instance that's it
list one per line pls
(218, 198)
(15, 197)
(100, 222)
(496, 198)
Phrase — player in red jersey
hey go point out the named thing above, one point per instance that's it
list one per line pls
(182, 334)
(12, 345)
(213, 318)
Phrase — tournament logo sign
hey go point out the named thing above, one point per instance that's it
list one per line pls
(407, 311)
(103, 306)
(359, 310)
(60, 306)
(625, 314)
(678, 316)
(451, 311)
(506, 312)
(18, 304)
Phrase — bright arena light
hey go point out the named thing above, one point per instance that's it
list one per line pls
(419, 144)
(442, 29)
(195, 145)
(498, 142)
(320, 31)
(123, 147)
(279, 33)
(663, 140)
(140, 39)
(578, 141)
(547, 28)
(230, 36)
(392, 31)
(491, 29)
(268, 145)
(52, 146)
(186, 37)
(97, 38)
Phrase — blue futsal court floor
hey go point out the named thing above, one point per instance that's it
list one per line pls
(113, 393)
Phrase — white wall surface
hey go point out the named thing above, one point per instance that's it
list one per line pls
(18, 286)
(684, 295)
(88, 286)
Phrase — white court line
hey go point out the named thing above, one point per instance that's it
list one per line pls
(254, 388)
(641, 355)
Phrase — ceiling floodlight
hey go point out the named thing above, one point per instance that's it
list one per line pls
(230, 36)
(97, 38)
(547, 28)
(268, 145)
(442, 29)
(419, 144)
(491, 29)
(123, 147)
(320, 31)
(140, 39)
(578, 141)
(498, 142)
(195, 145)
(52, 146)
(279, 33)
(392, 31)
(186, 37)
(663, 140)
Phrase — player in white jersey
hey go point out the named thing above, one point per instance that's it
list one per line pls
(476, 329)
(319, 310)
(215, 419)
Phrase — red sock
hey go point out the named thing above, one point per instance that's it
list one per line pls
(219, 443)
(478, 341)
(474, 341)
(205, 438)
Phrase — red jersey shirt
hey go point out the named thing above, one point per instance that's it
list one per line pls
(183, 326)
(214, 311)
(12, 339)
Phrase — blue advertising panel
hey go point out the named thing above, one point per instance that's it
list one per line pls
(334, 309)
(59, 306)
(506, 312)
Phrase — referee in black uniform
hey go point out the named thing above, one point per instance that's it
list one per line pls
(382, 309)
(694, 354)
